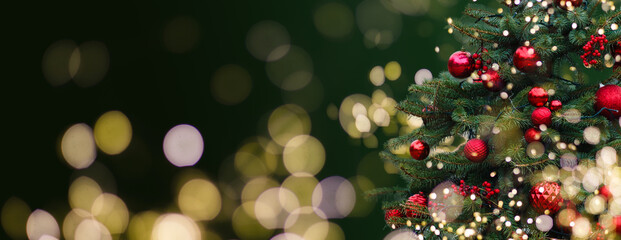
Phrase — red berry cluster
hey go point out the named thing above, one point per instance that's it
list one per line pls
(592, 49)
(479, 64)
(485, 189)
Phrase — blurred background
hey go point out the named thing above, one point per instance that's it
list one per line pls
(208, 119)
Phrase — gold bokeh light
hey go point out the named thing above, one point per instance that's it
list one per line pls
(78, 146)
(304, 154)
(199, 199)
(288, 121)
(113, 132)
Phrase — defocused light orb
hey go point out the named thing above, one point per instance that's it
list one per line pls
(569, 161)
(422, 76)
(273, 206)
(199, 199)
(535, 149)
(401, 234)
(255, 187)
(302, 186)
(246, 225)
(83, 192)
(94, 61)
(293, 71)
(592, 180)
(392, 70)
(324, 230)
(47, 237)
(78, 146)
(230, 84)
(288, 121)
(91, 229)
(301, 219)
(181, 34)
(141, 225)
(112, 212)
(376, 76)
(304, 154)
(287, 236)
(380, 26)
(56, 62)
(572, 115)
(174, 226)
(183, 145)
(606, 157)
(595, 204)
(72, 220)
(582, 228)
(445, 207)
(352, 120)
(14, 215)
(363, 205)
(334, 20)
(544, 223)
(592, 135)
(264, 37)
(335, 197)
(253, 160)
(113, 132)
(41, 223)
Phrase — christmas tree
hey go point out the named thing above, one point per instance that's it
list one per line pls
(532, 106)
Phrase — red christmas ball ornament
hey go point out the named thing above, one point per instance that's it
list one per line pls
(546, 196)
(492, 81)
(392, 217)
(461, 64)
(415, 206)
(532, 135)
(605, 192)
(609, 96)
(541, 115)
(616, 222)
(525, 59)
(538, 97)
(565, 4)
(419, 150)
(556, 105)
(475, 150)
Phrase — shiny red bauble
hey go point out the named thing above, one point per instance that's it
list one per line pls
(492, 81)
(416, 206)
(556, 105)
(605, 192)
(564, 4)
(461, 64)
(392, 216)
(525, 59)
(532, 135)
(609, 96)
(538, 96)
(419, 150)
(541, 115)
(546, 196)
(616, 223)
(475, 150)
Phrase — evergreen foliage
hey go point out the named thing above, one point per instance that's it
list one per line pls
(452, 109)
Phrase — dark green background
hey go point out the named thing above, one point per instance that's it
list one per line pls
(157, 89)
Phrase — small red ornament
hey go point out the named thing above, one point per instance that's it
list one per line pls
(616, 222)
(609, 96)
(392, 216)
(564, 4)
(532, 135)
(419, 150)
(556, 105)
(605, 192)
(541, 115)
(546, 196)
(525, 59)
(461, 64)
(475, 150)
(492, 81)
(538, 97)
(415, 206)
